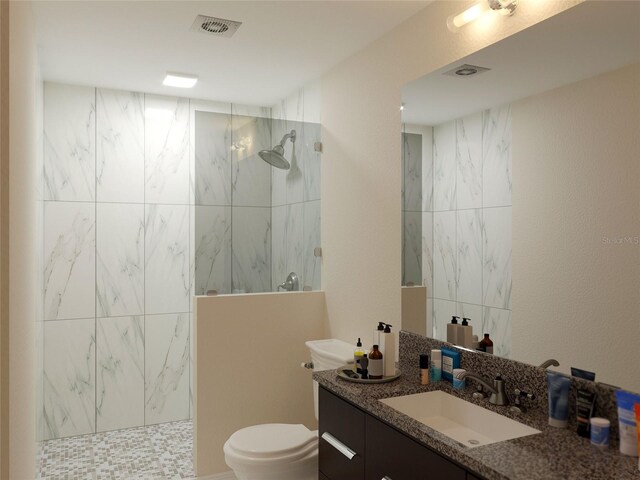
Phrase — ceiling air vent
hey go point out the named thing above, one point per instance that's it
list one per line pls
(466, 70)
(218, 27)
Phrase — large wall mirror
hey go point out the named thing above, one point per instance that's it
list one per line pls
(521, 192)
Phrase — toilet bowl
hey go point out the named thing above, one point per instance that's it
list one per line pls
(277, 451)
(273, 451)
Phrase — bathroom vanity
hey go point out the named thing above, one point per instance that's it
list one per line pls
(380, 450)
(386, 444)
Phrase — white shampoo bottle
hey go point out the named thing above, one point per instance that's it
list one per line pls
(388, 340)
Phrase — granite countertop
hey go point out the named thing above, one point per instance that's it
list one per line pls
(553, 454)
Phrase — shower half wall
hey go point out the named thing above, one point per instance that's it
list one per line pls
(122, 199)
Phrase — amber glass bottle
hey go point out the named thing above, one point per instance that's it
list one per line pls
(376, 366)
(486, 344)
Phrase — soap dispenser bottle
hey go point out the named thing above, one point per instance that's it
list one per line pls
(377, 333)
(465, 334)
(452, 330)
(389, 350)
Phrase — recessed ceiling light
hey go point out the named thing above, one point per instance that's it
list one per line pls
(180, 80)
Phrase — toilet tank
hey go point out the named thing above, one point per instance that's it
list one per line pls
(328, 355)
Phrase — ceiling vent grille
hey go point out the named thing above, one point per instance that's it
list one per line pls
(218, 27)
(466, 70)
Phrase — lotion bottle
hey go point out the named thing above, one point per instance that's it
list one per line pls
(436, 366)
(452, 330)
(465, 334)
(389, 350)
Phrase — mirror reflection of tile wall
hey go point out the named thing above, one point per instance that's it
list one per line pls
(466, 223)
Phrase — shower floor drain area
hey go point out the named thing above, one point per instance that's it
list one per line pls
(156, 452)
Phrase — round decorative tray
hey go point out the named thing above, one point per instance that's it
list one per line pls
(357, 379)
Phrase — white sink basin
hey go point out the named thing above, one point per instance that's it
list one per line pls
(463, 421)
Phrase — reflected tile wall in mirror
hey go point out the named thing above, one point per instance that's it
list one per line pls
(471, 246)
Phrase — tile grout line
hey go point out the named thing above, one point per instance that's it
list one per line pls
(144, 260)
(95, 266)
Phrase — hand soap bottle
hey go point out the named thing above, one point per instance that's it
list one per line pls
(452, 330)
(377, 333)
(465, 334)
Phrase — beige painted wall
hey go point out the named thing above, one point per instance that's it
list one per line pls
(361, 216)
(576, 165)
(247, 355)
(4, 239)
(22, 244)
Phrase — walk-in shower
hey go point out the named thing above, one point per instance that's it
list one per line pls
(275, 156)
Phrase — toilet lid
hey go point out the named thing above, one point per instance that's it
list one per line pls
(272, 440)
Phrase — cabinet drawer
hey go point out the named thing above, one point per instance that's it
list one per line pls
(392, 455)
(344, 425)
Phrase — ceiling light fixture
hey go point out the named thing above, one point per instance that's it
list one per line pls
(504, 7)
(180, 80)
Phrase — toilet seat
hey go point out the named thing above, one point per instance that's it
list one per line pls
(271, 443)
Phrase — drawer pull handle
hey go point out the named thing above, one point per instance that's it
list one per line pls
(338, 445)
(386, 478)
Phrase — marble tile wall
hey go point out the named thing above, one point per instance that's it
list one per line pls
(470, 225)
(116, 269)
(137, 200)
(295, 193)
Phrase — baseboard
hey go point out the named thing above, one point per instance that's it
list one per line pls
(219, 476)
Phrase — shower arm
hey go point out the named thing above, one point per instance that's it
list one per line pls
(291, 135)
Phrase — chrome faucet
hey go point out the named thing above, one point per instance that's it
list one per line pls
(291, 284)
(552, 362)
(498, 394)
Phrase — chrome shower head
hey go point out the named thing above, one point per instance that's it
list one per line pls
(275, 156)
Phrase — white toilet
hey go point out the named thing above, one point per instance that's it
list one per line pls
(276, 451)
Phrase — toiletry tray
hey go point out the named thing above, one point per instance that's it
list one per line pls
(385, 379)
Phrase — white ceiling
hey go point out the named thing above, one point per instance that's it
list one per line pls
(591, 38)
(279, 47)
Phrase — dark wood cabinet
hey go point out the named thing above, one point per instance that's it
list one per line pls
(341, 430)
(354, 445)
(392, 455)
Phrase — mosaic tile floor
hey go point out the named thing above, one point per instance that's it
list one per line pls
(156, 452)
